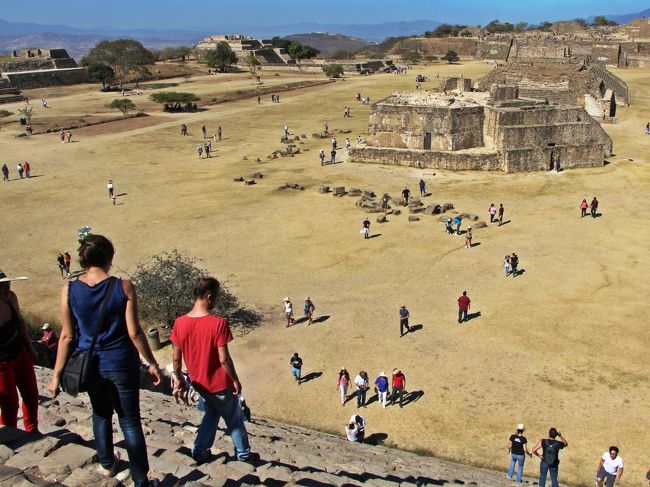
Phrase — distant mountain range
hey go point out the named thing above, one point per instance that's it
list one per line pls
(623, 18)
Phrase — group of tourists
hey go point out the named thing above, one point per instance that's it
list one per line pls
(64, 261)
(387, 393)
(65, 136)
(592, 207)
(24, 170)
(308, 310)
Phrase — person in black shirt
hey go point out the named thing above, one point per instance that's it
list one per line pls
(296, 366)
(405, 194)
(518, 448)
(550, 457)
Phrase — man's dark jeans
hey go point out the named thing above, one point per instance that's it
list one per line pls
(120, 392)
(398, 392)
(462, 315)
(402, 325)
(361, 397)
(543, 470)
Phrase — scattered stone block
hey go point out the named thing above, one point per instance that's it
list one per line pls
(416, 209)
(257, 175)
(5, 453)
(355, 192)
(480, 224)
(433, 210)
(413, 218)
(339, 191)
(238, 179)
(416, 203)
(244, 158)
(368, 193)
(447, 207)
(381, 219)
(324, 189)
(249, 182)
(397, 212)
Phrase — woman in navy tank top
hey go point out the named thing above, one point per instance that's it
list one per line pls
(116, 355)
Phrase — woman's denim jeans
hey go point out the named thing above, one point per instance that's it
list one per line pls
(223, 404)
(120, 392)
(520, 471)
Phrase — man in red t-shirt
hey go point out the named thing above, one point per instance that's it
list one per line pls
(463, 307)
(399, 383)
(202, 338)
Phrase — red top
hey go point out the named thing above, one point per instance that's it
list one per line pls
(463, 302)
(50, 339)
(398, 380)
(198, 339)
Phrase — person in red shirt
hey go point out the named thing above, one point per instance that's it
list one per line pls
(51, 341)
(463, 307)
(202, 338)
(399, 384)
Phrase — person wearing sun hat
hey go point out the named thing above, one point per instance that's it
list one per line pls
(17, 357)
(518, 449)
(51, 341)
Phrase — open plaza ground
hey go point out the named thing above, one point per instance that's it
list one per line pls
(562, 345)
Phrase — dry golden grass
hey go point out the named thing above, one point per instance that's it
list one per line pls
(563, 345)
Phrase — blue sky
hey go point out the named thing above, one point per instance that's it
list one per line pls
(188, 14)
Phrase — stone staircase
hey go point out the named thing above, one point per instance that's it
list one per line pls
(290, 455)
(9, 93)
(612, 82)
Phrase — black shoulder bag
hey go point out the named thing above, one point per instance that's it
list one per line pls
(79, 373)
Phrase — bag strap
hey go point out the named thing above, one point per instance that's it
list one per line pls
(102, 316)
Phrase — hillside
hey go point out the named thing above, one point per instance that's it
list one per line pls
(328, 43)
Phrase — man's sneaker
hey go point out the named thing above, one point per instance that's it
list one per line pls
(200, 458)
(112, 470)
(252, 457)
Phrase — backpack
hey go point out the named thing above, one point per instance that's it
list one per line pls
(550, 453)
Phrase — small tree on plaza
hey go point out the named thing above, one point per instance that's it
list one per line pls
(122, 104)
(5, 113)
(174, 100)
(252, 62)
(27, 112)
(333, 70)
(451, 57)
(220, 58)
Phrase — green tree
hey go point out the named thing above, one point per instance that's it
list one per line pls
(582, 22)
(5, 113)
(451, 57)
(545, 25)
(174, 100)
(220, 58)
(602, 21)
(167, 54)
(252, 62)
(299, 51)
(100, 73)
(446, 30)
(280, 43)
(183, 52)
(165, 283)
(521, 26)
(121, 104)
(333, 70)
(125, 56)
(27, 112)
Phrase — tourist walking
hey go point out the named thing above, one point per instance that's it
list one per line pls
(184, 129)
(321, 156)
(219, 133)
(399, 384)
(583, 208)
(348, 145)
(594, 208)
(62, 136)
(326, 128)
(296, 367)
(98, 301)
(61, 263)
(405, 195)
(506, 264)
(492, 211)
(199, 151)
(288, 311)
(20, 169)
(381, 388)
(5, 173)
(362, 384)
(449, 227)
(309, 309)
(518, 449)
(69, 136)
(365, 229)
(384, 202)
(501, 211)
(334, 143)
(286, 129)
(458, 221)
(514, 263)
(550, 457)
(342, 385)
(51, 341)
(17, 358)
(204, 132)
(468, 238)
(403, 320)
(110, 188)
(610, 468)
(463, 307)
(206, 149)
(28, 169)
(67, 260)
(423, 188)
(333, 156)
(355, 429)
(201, 339)
(259, 100)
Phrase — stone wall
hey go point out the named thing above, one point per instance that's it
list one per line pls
(465, 47)
(41, 79)
(453, 161)
(496, 49)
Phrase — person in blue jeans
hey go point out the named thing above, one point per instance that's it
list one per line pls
(550, 457)
(518, 449)
(117, 362)
(201, 338)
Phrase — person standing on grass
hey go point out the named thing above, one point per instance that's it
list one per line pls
(405, 195)
(423, 188)
(594, 207)
(514, 263)
(326, 128)
(202, 338)
(506, 264)
(206, 148)
(5, 173)
(20, 169)
(204, 132)
(286, 129)
(296, 367)
(28, 169)
(199, 151)
(62, 136)
(492, 211)
(366, 229)
(610, 468)
(468, 238)
(342, 385)
(381, 387)
(69, 136)
(583, 208)
(501, 211)
(219, 133)
(119, 346)
(362, 384)
(399, 384)
(403, 320)
(333, 156)
(309, 309)
(61, 263)
(288, 311)
(463, 307)
(334, 143)
(259, 100)
(321, 156)
(518, 449)
(110, 188)
(184, 129)
(449, 227)
(550, 457)
(458, 222)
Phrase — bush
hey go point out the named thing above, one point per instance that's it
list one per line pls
(165, 283)
(450, 57)
(333, 70)
(122, 104)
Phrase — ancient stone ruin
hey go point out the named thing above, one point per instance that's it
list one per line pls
(40, 67)
(465, 130)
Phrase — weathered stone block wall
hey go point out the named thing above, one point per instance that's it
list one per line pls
(456, 84)
(20, 64)
(637, 60)
(539, 158)
(464, 46)
(606, 54)
(501, 93)
(453, 161)
(499, 50)
(42, 79)
(404, 127)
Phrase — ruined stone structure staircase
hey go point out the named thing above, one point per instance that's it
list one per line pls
(613, 82)
(9, 93)
(290, 455)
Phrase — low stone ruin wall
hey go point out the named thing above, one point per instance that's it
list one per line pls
(539, 158)
(453, 161)
(42, 79)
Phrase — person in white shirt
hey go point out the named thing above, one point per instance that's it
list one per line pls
(109, 186)
(288, 311)
(362, 384)
(610, 468)
(355, 429)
